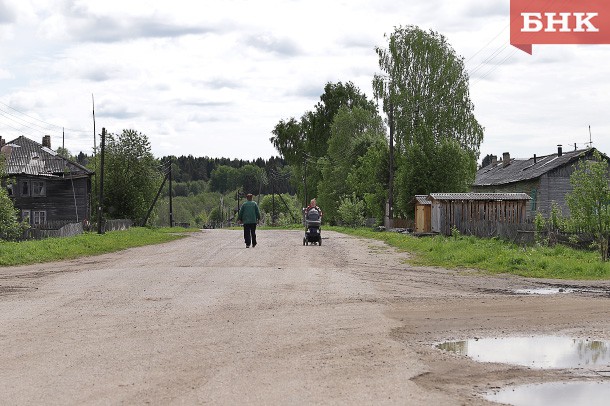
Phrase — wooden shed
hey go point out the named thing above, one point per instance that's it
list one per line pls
(479, 214)
(423, 214)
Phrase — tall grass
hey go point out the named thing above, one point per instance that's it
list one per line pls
(55, 249)
(494, 256)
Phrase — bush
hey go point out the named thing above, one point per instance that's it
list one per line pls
(351, 212)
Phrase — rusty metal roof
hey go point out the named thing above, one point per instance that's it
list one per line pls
(27, 157)
(479, 196)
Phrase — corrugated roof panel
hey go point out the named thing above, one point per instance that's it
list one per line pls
(525, 169)
(25, 156)
(422, 199)
(480, 196)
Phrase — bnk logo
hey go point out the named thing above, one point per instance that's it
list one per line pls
(559, 22)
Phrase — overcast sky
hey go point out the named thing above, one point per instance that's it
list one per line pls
(214, 78)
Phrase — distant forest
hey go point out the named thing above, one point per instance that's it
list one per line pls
(187, 169)
(191, 170)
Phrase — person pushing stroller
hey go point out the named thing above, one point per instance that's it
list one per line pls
(313, 220)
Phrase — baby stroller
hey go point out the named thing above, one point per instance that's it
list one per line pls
(313, 220)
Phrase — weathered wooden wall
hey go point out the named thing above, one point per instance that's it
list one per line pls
(480, 217)
(64, 201)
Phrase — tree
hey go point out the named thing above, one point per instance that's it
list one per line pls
(224, 178)
(10, 226)
(302, 143)
(355, 133)
(252, 179)
(132, 176)
(424, 88)
(287, 209)
(589, 201)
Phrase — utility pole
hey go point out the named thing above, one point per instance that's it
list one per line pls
(100, 228)
(391, 180)
(171, 210)
(238, 196)
(305, 180)
(272, 201)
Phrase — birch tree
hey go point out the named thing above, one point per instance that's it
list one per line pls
(424, 89)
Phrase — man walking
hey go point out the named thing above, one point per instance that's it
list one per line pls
(249, 215)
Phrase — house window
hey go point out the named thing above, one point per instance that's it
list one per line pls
(38, 188)
(25, 188)
(25, 216)
(9, 189)
(39, 217)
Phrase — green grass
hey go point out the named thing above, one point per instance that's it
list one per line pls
(494, 256)
(56, 249)
(485, 255)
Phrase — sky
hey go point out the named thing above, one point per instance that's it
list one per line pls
(213, 79)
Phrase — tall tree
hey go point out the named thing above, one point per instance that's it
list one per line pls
(425, 89)
(302, 143)
(355, 133)
(132, 176)
(589, 201)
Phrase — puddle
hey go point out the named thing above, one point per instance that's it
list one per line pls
(543, 352)
(556, 394)
(543, 291)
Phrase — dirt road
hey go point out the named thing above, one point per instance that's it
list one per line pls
(206, 321)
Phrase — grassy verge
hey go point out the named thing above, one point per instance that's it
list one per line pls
(494, 256)
(55, 249)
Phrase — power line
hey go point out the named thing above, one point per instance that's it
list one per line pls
(47, 124)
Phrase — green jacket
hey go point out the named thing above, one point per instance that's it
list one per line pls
(248, 213)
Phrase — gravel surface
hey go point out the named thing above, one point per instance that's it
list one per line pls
(204, 320)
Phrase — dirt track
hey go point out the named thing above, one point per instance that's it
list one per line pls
(206, 321)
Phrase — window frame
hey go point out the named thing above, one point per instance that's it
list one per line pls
(24, 184)
(34, 192)
(36, 217)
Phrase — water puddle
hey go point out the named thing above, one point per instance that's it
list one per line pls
(556, 394)
(543, 291)
(543, 352)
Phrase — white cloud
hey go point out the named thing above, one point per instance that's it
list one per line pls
(213, 79)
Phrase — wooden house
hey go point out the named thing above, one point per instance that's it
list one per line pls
(45, 187)
(546, 178)
(480, 214)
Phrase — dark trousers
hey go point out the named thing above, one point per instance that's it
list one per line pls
(250, 234)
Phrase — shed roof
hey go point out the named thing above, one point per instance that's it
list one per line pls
(27, 157)
(525, 169)
(422, 199)
(479, 196)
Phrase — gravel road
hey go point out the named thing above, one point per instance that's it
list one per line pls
(204, 320)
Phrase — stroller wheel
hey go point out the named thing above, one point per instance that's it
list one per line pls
(304, 240)
(320, 241)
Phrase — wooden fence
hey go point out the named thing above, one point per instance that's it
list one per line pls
(68, 230)
(120, 224)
